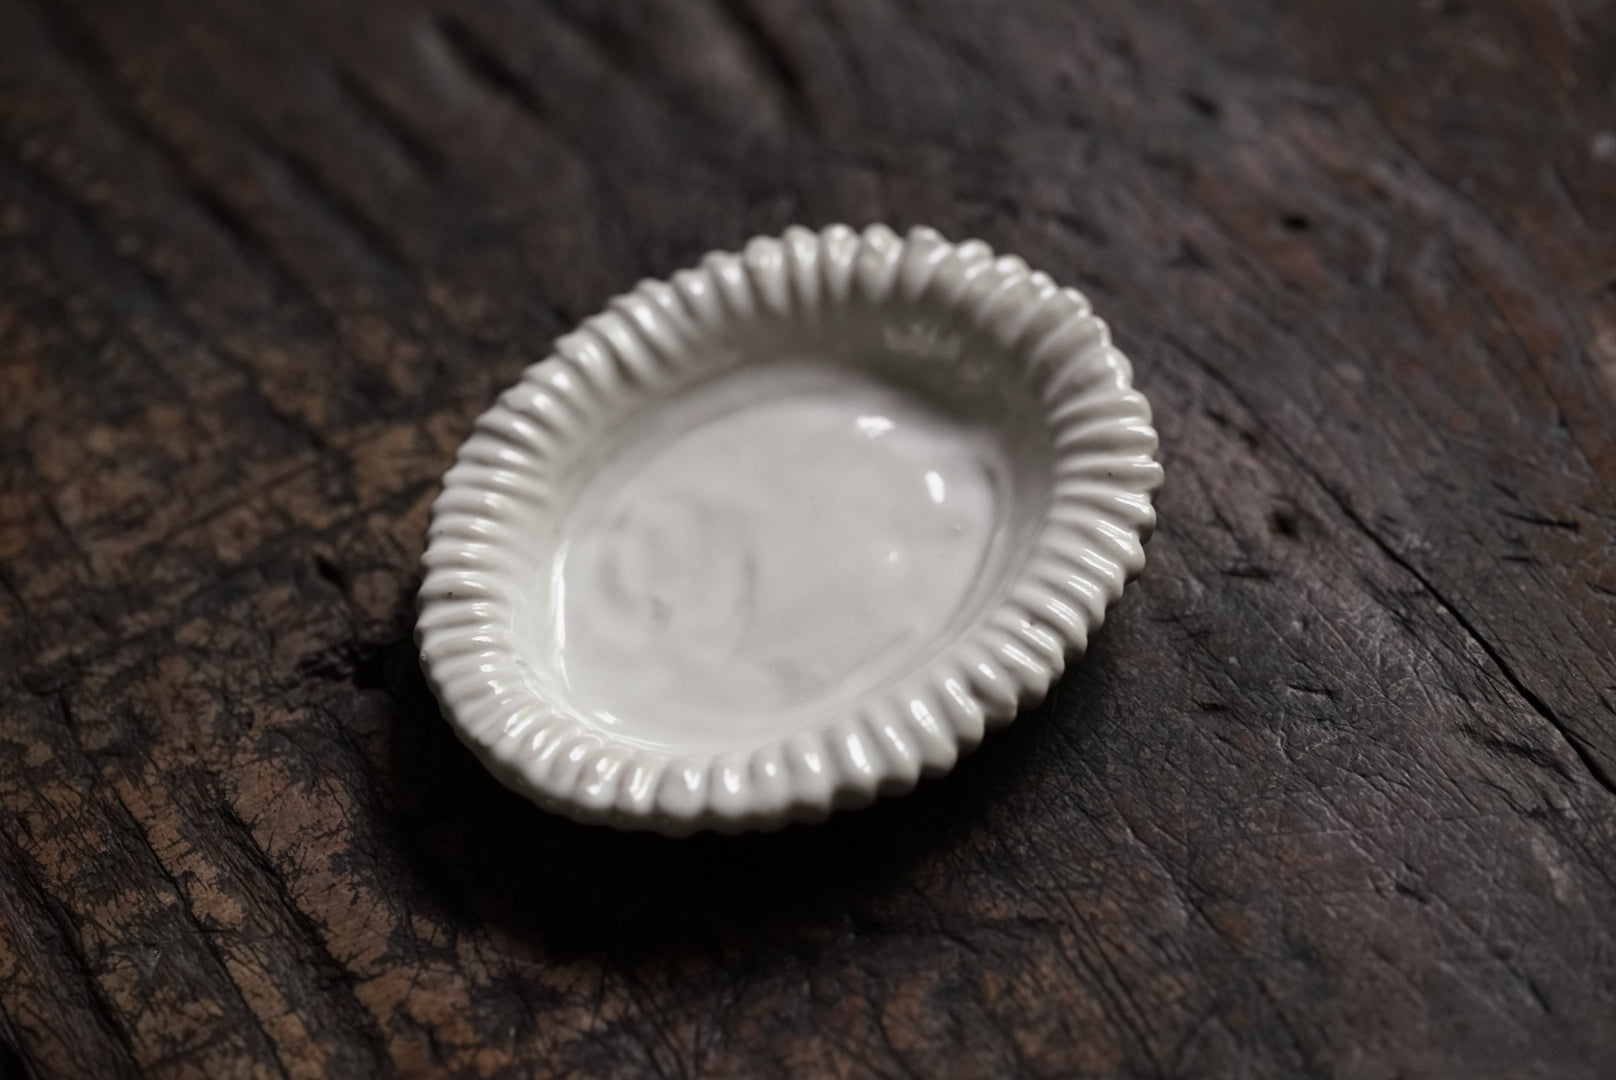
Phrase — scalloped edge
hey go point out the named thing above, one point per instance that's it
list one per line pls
(1090, 543)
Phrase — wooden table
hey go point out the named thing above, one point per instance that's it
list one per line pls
(1333, 794)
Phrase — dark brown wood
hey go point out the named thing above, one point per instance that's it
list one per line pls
(1334, 793)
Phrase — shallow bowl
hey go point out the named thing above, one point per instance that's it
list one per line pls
(786, 532)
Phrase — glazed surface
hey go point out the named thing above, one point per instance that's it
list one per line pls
(778, 540)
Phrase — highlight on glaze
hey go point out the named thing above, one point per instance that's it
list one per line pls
(785, 532)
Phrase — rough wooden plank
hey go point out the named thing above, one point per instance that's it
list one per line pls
(1331, 795)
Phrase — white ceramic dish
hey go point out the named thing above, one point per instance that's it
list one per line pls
(785, 533)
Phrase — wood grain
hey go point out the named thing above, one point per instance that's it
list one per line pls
(1333, 795)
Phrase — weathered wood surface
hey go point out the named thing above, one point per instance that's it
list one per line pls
(1334, 794)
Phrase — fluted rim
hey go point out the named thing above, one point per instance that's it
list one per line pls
(1088, 545)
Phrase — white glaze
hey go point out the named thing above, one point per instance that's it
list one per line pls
(1046, 397)
(788, 537)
